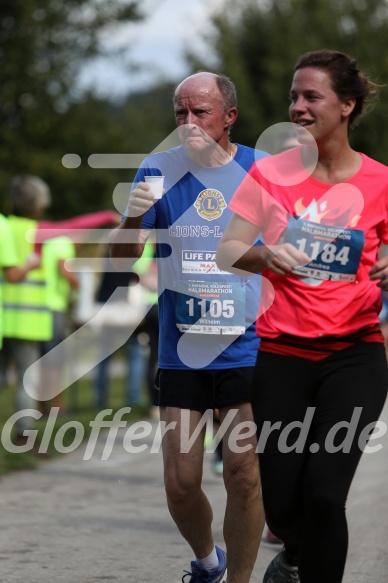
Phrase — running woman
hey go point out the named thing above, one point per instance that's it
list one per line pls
(322, 351)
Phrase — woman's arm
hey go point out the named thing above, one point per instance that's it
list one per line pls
(379, 271)
(238, 254)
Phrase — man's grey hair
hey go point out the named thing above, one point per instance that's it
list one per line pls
(228, 91)
(225, 85)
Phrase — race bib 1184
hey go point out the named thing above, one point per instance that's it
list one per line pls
(335, 251)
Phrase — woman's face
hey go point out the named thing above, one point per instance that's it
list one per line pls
(316, 106)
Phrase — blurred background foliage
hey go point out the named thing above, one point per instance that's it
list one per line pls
(43, 115)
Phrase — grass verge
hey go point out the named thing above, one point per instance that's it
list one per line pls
(79, 405)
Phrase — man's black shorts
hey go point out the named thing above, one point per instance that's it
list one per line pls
(200, 390)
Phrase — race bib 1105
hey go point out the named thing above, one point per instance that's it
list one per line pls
(210, 307)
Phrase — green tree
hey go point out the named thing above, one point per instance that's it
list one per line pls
(256, 43)
(99, 126)
(43, 43)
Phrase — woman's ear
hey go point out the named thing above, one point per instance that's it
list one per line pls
(347, 106)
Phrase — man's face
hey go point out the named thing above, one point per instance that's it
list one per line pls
(200, 115)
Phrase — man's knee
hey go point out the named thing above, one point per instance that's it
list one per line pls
(241, 473)
(181, 483)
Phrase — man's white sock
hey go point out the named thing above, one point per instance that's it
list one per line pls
(210, 562)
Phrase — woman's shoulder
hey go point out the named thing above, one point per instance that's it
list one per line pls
(374, 165)
(284, 169)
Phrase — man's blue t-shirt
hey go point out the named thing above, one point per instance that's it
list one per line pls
(206, 316)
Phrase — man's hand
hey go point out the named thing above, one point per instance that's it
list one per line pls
(125, 249)
(140, 200)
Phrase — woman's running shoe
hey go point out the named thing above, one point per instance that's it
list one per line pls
(279, 571)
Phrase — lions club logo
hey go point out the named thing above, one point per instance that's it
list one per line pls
(210, 204)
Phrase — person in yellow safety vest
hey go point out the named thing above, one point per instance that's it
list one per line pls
(27, 318)
(8, 268)
(60, 283)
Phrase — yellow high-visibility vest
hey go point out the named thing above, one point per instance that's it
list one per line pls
(26, 312)
(8, 258)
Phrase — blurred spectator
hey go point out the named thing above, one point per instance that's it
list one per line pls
(27, 319)
(60, 283)
(9, 271)
(27, 315)
(384, 319)
(149, 280)
(142, 346)
(135, 352)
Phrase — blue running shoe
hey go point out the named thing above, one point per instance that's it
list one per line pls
(200, 575)
(279, 571)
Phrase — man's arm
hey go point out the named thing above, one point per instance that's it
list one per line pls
(127, 241)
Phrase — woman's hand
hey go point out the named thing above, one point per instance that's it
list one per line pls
(283, 258)
(380, 272)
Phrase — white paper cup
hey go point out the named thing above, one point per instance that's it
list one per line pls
(156, 184)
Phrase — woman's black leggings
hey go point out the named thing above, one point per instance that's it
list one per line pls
(305, 488)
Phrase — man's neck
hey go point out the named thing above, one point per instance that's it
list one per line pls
(217, 156)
